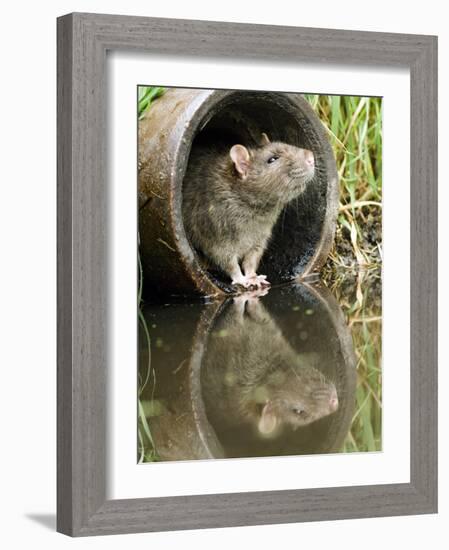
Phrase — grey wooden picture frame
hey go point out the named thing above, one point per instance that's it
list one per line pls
(83, 41)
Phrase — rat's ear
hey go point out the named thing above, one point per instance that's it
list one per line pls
(240, 157)
(264, 140)
(268, 420)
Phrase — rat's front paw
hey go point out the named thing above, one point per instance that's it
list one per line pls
(259, 281)
(253, 282)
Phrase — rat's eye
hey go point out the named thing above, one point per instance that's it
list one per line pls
(299, 411)
(272, 159)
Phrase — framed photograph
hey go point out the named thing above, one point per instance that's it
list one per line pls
(247, 274)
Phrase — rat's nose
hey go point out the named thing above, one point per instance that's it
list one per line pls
(308, 157)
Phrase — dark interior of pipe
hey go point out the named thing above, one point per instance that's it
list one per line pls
(242, 119)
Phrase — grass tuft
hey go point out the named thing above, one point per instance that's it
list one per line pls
(354, 127)
(145, 97)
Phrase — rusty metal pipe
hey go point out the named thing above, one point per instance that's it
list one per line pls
(303, 236)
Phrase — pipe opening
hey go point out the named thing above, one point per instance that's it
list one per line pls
(241, 117)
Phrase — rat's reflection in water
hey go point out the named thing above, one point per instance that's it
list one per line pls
(257, 390)
(263, 374)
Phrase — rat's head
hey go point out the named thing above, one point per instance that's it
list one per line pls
(301, 398)
(275, 170)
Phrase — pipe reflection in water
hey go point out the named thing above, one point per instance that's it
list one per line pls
(251, 376)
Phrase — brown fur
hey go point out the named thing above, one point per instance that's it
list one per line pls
(232, 199)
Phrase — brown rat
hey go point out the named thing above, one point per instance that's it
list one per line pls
(233, 197)
(253, 376)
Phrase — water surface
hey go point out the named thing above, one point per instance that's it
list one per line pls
(256, 375)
